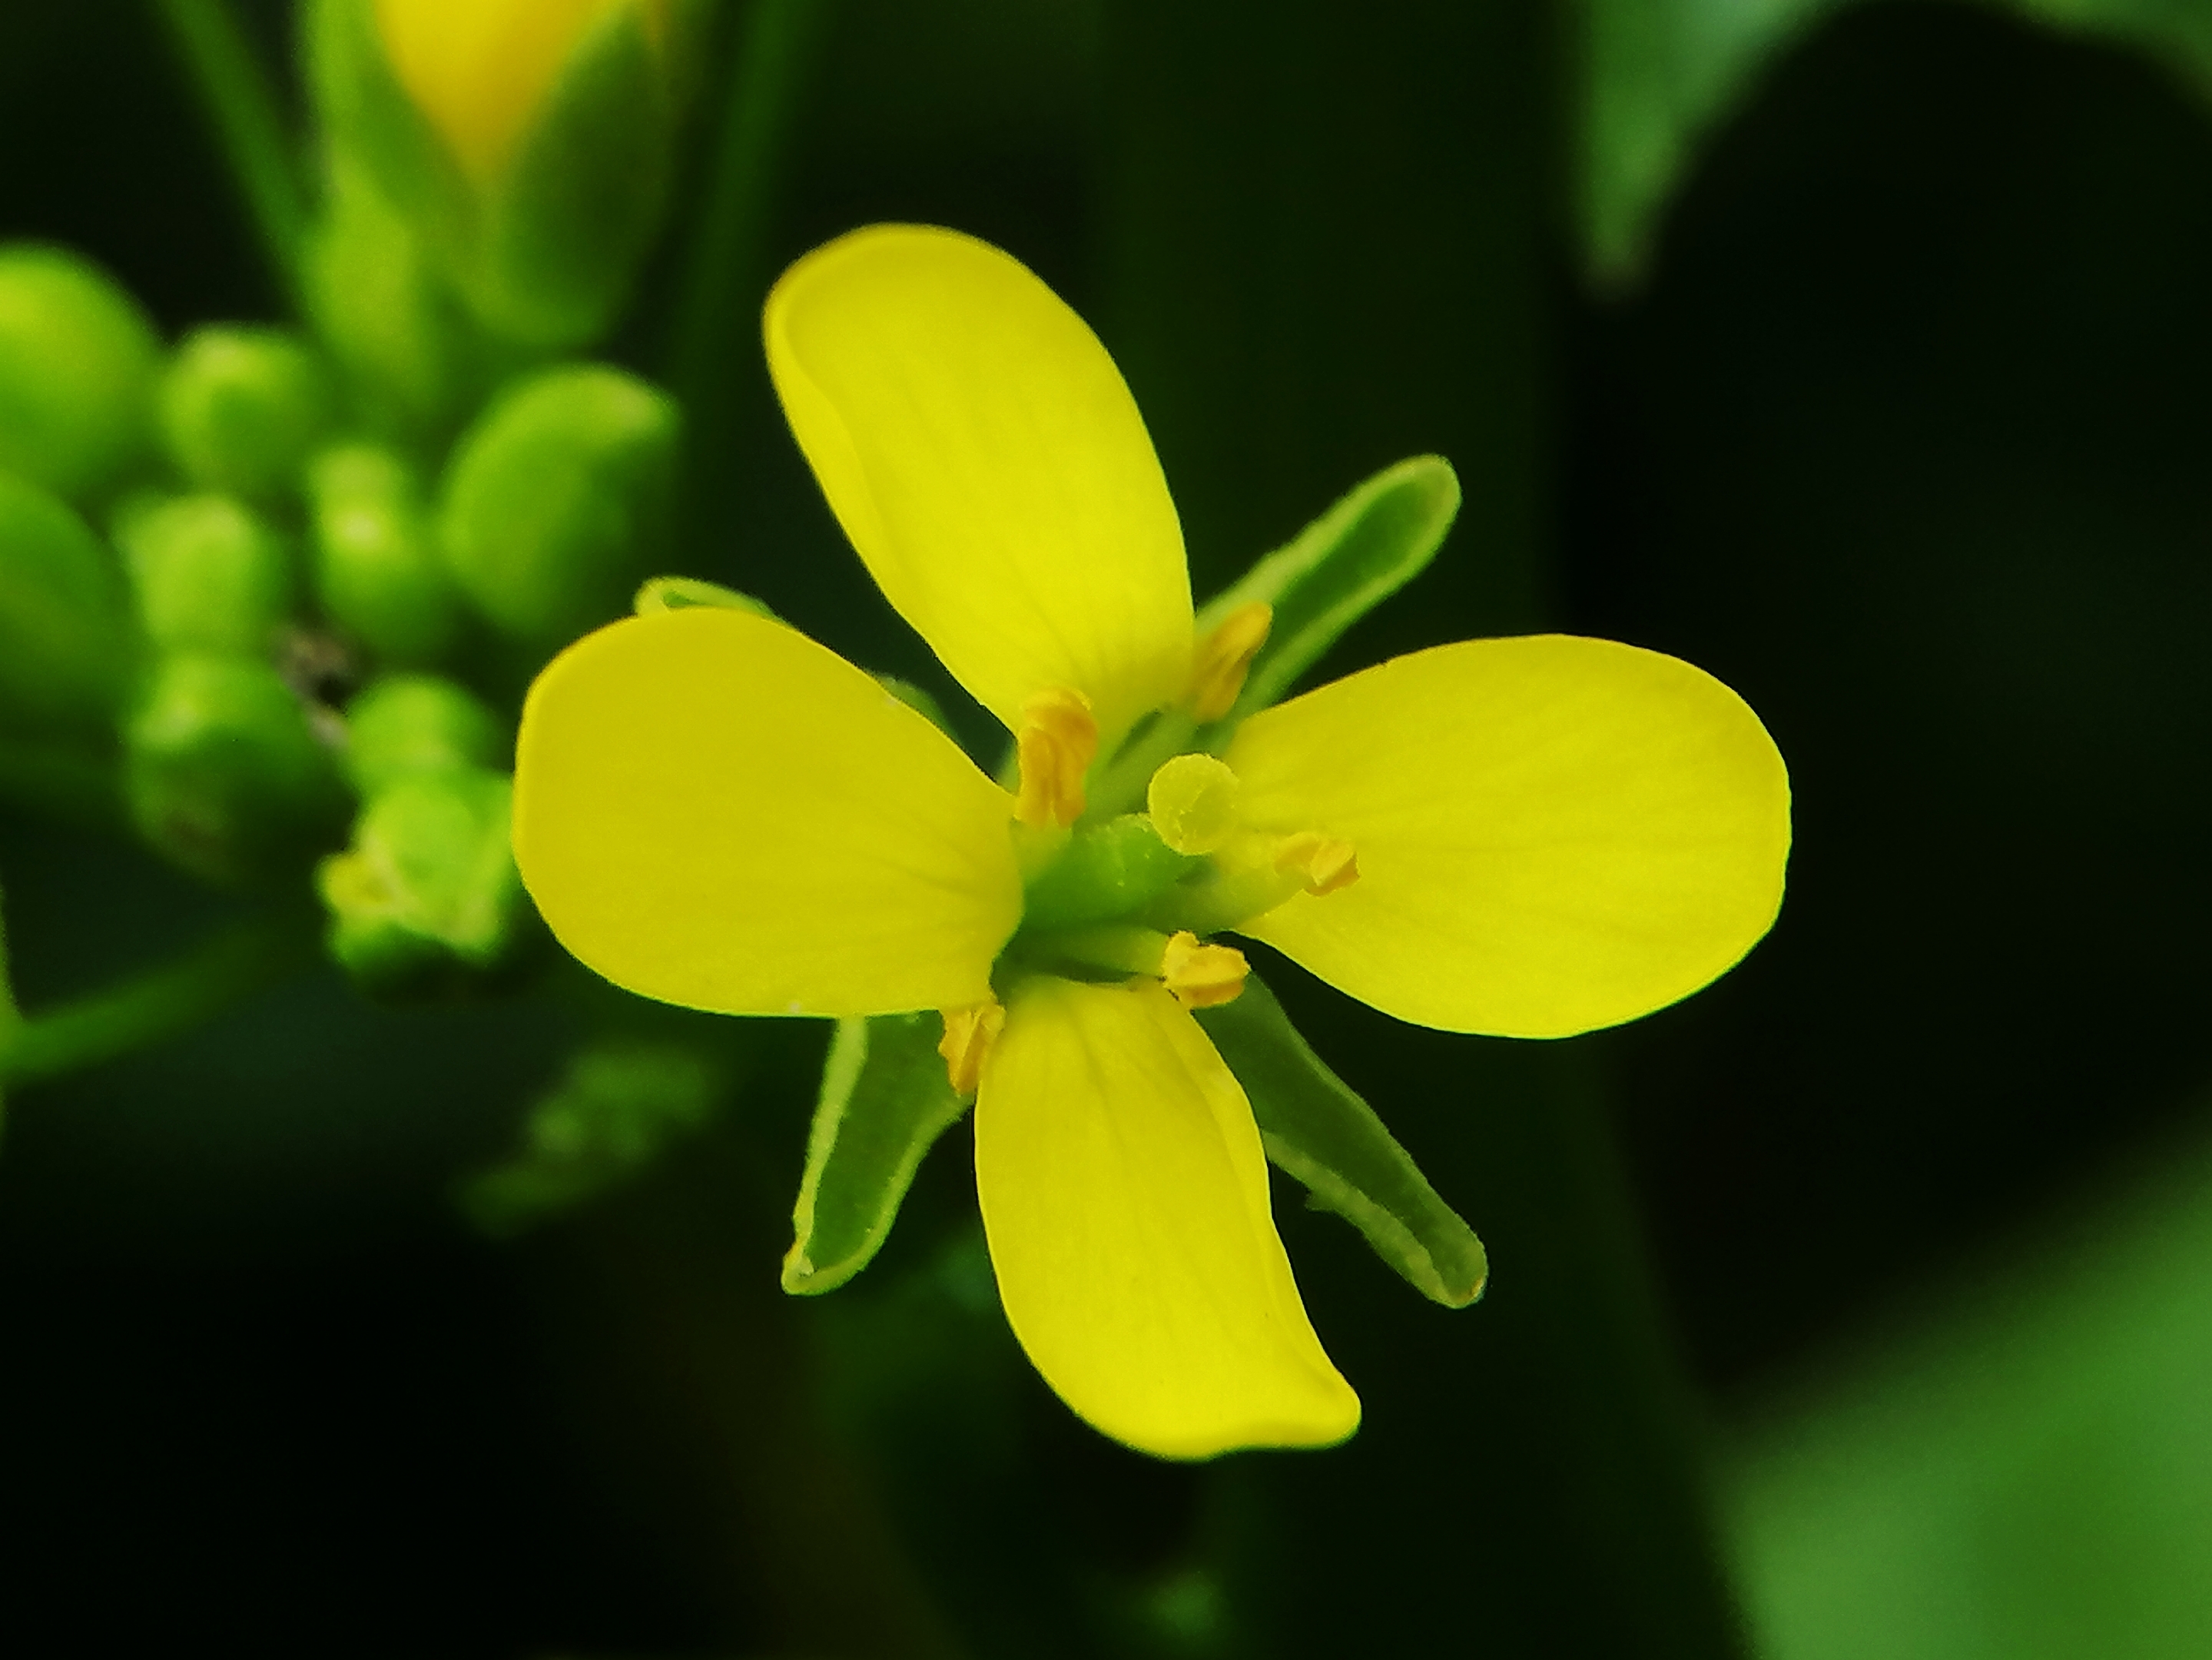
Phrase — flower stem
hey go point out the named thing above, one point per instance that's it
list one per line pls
(712, 343)
(149, 1007)
(239, 103)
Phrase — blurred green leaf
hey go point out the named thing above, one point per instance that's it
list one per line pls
(1659, 76)
(1316, 1129)
(885, 1099)
(2020, 1470)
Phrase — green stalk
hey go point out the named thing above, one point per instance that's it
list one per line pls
(149, 1007)
(235, 94)
(712, 345)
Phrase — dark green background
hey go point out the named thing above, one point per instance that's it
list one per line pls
(1905, 436)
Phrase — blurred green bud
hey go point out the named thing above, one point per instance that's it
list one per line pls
(529, 141)
(411, 356)
(66, 645)
(378, 572)
(77, 364)
(619, 1107)
(208, 574)
(226, 771)
(405, 726)
(558, 499)
(242, 408)
(429, 889)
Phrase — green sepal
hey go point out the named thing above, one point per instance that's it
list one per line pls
(918, 699)
(1373, 542)
(378, 570)
(618, 1106)
(659, 593)
(67, 648)
(78, 361)
(1316, 1129)
(885, 1098)
(241, 409)
(557, 501)
(207, 573)
(1105, 871)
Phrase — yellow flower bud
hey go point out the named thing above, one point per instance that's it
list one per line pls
(479, 68)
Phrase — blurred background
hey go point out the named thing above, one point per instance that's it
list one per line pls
(1860, 1305)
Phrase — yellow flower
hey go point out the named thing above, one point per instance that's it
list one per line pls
(1529, 837)
(480, 69)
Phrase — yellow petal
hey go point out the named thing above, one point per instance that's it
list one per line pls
(1125, 1196)
(979, 449)
(479, 69)
(711, 810)
(1553, 833)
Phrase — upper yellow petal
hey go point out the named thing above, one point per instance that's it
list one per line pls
(711, 810)
(1553, 833)
(1124, 1193)
(981, 452)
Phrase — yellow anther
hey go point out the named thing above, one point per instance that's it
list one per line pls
(1055, 746)
(969, 1035)
(1202, 976)
(1224, 657)
(1323, 863)
(1193, 802)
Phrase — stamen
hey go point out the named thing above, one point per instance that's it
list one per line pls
(1323, 863)
(1055, 746)
(1193, 802)
(969, 1035)
(1202, 976)
(1224, 658)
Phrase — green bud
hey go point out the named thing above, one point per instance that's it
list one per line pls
(531, 149)
(207, 573)
(66, 646)
(621, 1105)
(429, 889)
(77, 364)
(556, 502)
(405, 726)
(378, 572)
(410, 354)
(242, 409)
(226, 770)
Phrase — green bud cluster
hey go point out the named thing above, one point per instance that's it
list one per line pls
(314, 549)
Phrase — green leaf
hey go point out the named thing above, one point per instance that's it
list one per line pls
(1660, 76)
(1316, 1129)
(1657, 76)
(1372, 542)
(885, 1098)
